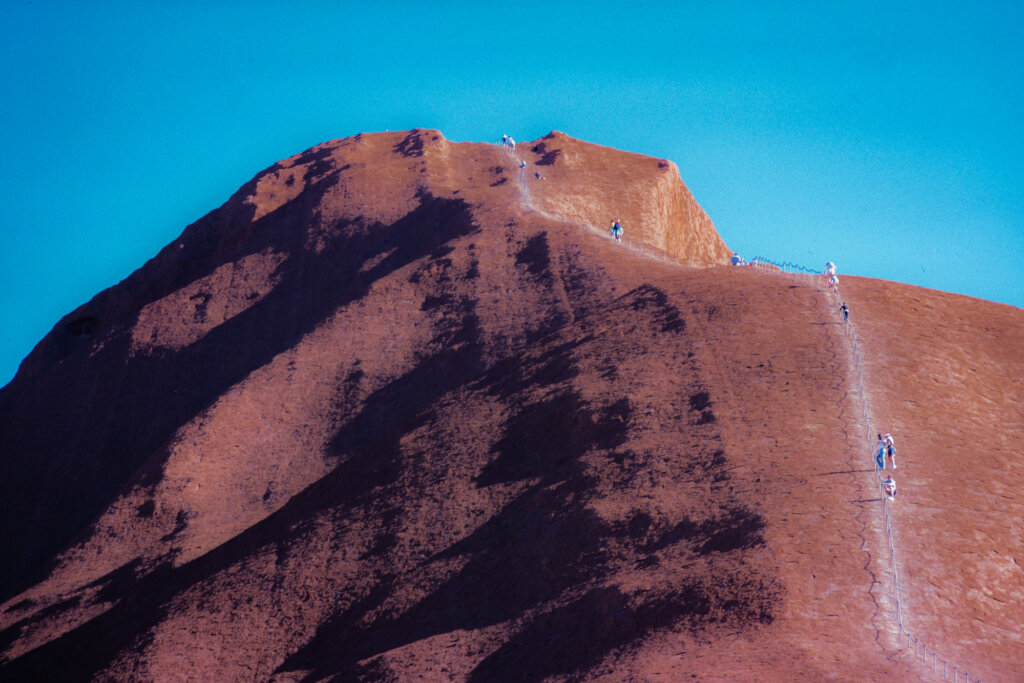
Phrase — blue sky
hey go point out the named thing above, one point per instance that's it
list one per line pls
(886, 138)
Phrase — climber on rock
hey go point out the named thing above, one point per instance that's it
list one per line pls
(889, 486)
(880, 453)
(845, 310)
(890, 448)
(617, 230)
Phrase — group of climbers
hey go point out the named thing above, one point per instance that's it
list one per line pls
(831, 279)
(886, 444)
(508, 143)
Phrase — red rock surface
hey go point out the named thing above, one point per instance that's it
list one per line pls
(400, 410)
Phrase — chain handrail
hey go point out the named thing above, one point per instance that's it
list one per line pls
(920, 647)
(784, 266)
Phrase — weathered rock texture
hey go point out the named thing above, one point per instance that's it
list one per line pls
(397, 410)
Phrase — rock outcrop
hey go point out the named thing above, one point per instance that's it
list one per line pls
(400, 408)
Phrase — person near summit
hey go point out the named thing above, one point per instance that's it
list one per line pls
(522, 164)
(833, 282)
(504, 140)
(890, 448)
(889, 486)
(511, 143)
(830, 268)
(736, 260)
(880, 453)
(844, 309)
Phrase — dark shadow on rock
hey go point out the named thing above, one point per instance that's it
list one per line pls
(82, 652)
(739, 529)
(536, 256)
(548, 158)
(58, 471)
(368, 450)
(647, 297)
(82, 326)
(508, 376)
(543, 543)
(412, 144)
(736, 528)
(543, 437)
(699, 401)
(570, 640)
(547, 544)
(556, 366)
(544, 551)
(538, 546)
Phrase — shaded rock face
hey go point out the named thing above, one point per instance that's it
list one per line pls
(398, 409)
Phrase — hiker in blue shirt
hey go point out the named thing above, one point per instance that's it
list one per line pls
(617, 230)
(880, 454)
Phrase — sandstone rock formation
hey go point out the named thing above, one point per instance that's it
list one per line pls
(401, 409)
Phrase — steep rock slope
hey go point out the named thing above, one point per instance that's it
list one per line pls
(395, 411)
